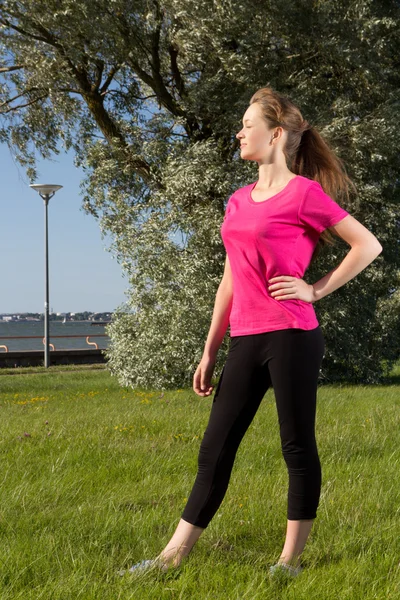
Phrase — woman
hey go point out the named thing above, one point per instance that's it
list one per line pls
(271, 232)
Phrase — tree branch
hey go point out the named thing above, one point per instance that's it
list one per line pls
(33, 89)
(13, 68)
(72, 90)
(22, 31)
(154, 80)
(173, 52)
(124, 95)
(4, 112)
(99, 74)
(47, 38)
(109, 79)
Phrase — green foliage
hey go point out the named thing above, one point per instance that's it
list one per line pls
(151, 98)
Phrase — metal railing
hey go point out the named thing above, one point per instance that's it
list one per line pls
(20, 337)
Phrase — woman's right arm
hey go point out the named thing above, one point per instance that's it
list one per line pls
(222, 310)
(219, 324)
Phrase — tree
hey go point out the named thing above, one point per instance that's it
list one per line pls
(87, 73)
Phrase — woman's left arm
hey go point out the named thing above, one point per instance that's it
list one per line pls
(365, 247)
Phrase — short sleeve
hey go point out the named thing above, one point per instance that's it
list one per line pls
(227, 208)
(318, 210)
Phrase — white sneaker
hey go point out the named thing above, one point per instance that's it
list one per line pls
(144, 566)
(283, 568)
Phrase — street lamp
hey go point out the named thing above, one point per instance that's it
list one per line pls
(46, 191)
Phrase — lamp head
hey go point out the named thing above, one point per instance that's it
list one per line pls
(45, 188)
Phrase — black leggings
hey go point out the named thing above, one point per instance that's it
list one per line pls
(289, 360)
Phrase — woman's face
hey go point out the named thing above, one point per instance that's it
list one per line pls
(255, 136)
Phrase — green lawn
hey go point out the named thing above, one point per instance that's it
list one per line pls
(95, 477)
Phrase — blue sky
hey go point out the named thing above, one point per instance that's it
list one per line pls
(83, 275)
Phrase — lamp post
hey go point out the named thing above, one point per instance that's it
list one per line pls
(46, 191)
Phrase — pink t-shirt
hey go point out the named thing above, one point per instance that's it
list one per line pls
(274, 237)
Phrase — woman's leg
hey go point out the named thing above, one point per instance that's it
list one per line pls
(240, 389)
(297, 533)
(181, 543)
(296, 357)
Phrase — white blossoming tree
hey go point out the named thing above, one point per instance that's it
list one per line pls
(150, 96)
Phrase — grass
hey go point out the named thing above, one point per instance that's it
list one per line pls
(95, 477)
(52, 369)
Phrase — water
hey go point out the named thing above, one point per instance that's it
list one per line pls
(83, 328)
